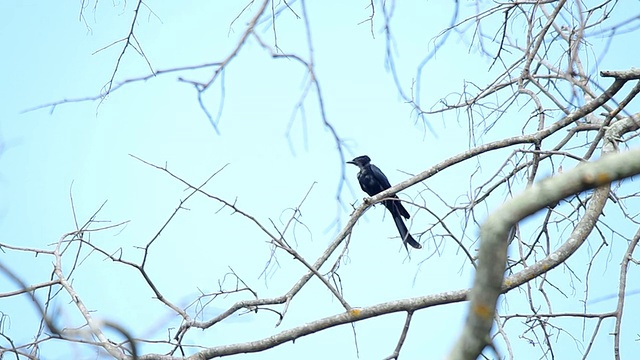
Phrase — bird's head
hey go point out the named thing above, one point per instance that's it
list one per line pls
(360, 161)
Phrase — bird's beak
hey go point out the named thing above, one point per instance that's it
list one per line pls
(351, 162)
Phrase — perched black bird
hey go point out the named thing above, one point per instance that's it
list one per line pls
(373, 181)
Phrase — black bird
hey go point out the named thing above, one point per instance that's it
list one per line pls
(372, 181)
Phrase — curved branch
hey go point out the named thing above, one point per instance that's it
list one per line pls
(494, 233)
(523, 139)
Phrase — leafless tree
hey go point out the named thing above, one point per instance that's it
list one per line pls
(547, 108)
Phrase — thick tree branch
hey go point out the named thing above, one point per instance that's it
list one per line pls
(494, 233)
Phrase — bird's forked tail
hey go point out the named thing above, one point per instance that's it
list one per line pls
(404, 233)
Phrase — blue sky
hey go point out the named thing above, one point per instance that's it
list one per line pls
(273, 156)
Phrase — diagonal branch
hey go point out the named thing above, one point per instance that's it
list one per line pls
(492, 257)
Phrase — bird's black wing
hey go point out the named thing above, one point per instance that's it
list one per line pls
(372, 180)
(393, 206)
(380, 177)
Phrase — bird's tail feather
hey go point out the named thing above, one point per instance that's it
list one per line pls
(404, 233)
(396, 206)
